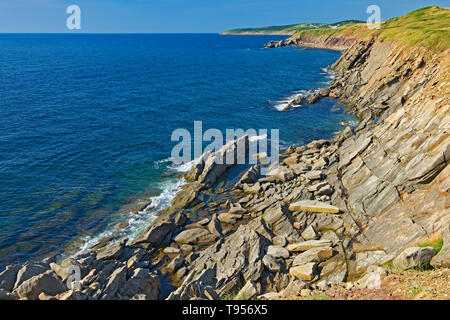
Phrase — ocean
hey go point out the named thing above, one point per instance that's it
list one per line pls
(86, 124)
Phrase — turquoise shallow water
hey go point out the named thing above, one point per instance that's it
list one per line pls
(86, 122)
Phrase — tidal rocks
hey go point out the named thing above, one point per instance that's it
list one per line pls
(46, 282)
(414, 257)
(112, 252)
(313, 206)
(195, 236)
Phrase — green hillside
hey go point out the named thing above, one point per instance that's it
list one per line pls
(428, 27)
(289, 29)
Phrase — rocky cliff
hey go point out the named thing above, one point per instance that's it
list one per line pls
(334, 211)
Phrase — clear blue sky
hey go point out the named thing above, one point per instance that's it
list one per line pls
(189, 15)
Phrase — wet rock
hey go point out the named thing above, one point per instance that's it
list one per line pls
(175, 264)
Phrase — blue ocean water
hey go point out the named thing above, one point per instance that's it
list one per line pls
(86, 122)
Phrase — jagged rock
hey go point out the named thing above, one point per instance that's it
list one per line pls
(115, 282)
(314, 175)
(175, 264)
(229, 218)
(248, 291)
(141, 282)
(372, 278)
(280, 241)
(442, 259)
(112, 252)
(281, 173)
(305, 272)
(195, 236)
(46, 282)
(188, 197)
(260, 227)
(313, 206)
(313, 255)
(366, 259)
(272, 264)
(277, 252)
(8, 277)
(307, 245)
(279, 218)
(214, 227)
(28, 271)
(294, 288)
(155, 234)
(414, 257)
(310, 233)
(250, 176)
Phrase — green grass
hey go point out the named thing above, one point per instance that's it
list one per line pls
(289, 29)
(437, 244)
(428, 27)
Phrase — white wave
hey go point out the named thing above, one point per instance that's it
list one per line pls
(281, 104)
(256, 138)
(138, 222)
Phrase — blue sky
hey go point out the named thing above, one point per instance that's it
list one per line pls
(113, 16)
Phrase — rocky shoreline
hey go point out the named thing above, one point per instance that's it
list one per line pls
(334, 212)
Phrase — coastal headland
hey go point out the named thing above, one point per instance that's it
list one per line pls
(339, 213)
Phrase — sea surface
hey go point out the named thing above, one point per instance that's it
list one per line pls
(86, 124)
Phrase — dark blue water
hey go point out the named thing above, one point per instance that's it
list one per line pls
(86, 122)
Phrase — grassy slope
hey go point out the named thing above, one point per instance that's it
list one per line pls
(288, 29)
(428, 27)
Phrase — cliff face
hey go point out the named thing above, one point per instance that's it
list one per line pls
(398, 181)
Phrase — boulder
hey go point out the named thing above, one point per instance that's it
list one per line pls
(414, 257)
(171, 250)
(313, 206)
(313, 255)
(310, 233)
(280, 241)
(195, 236)
(280, 220)
(278, 252)
(113, 251)
(248, 291)
(272, 264)
(115, 281)
(28, 271)
(175, 264)
(8, 278)
(46, 282)
(314, 175)
(142, 282)
(442, 259)
(304, 272)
